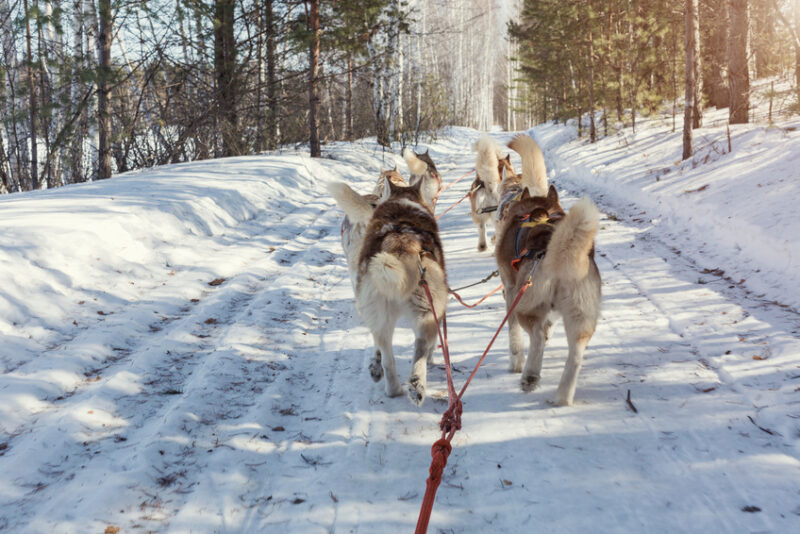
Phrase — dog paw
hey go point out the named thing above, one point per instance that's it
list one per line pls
(393, 391)
(376, 370)
(515, 366)
(415, 390)
(529, 383)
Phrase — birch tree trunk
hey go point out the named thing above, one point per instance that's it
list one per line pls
(32, 104)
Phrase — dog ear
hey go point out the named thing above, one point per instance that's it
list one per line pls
(525, 194)
(427, 151)
(552, 196)
(388, 188)
(395, 169)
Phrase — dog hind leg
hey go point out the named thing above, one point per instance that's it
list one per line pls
(384, 343)
(426, 336)
(375, 368)
(481, 236)
(579, 331)
(532, 373)
(516, 344)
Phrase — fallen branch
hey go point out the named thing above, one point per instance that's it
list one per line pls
(630, 403)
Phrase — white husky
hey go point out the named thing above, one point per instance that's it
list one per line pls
(483, 193)
(401, 244)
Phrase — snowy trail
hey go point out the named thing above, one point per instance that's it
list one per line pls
(246, 406)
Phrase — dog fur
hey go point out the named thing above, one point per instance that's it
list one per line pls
(423, 170)
(565, 281)
(483, 191)
(400, 239)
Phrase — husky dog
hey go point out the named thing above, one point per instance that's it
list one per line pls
(423, 170)
(353, 232)
(400, 246)
(511, 184)
(483, 195)
(539, 242)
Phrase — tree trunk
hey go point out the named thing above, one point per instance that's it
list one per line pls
(738, 74)
(714, 26)
(34, 170)
(592, 127)
(104, 88)
(694, 27)
(313, 79)
(690, 47)
(225, 67)
(348, 134)
(272, 82)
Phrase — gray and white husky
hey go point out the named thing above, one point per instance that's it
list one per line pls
(483, 193)
(400, 245)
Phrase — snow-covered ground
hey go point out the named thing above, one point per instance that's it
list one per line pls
(180, 353)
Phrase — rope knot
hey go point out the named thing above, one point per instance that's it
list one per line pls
(440, 451)
(451, 418)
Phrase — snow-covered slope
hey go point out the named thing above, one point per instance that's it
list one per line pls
(180, 353)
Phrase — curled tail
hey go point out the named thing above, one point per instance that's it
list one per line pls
(567, 254)
(393, 276)
(356, 207)
(415, 165)
(486, 164)
(534, 172)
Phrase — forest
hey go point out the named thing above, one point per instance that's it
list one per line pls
(91, 88)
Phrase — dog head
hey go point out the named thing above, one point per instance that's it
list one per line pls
(399, 192)
(536, 208)
(394, 176)
(421, 164)
(504, 167)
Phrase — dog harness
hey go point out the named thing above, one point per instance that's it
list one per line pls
(534, 254)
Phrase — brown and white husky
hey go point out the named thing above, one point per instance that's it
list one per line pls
(483, 193)
(400, 245)
(424, 170)
(555, 251)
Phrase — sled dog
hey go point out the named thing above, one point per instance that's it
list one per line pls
(483, 193)
(353, 230)
(511, 184)
(423, 170)
(400, 245)
(555, 251)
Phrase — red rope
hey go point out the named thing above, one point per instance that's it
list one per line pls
(451, 419)
(454, 182)
(454, 205)
(492, 292)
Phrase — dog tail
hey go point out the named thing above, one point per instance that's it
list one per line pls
(567, 254)
(356, 207)
(393, 276)
(487, 162)
(534, 172)
(415, 165)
